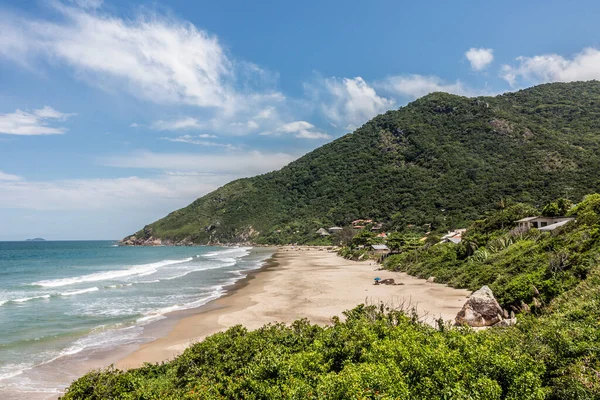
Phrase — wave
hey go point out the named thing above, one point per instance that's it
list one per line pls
(82, 291)
(48, 295)
(235, 252)
(229, 264)
(155, 315)
(24, 299)
(118, 286)
(137, 270)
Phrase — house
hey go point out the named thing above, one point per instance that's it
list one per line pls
(555, 225)
(335, 229)
(454, 236)
(379, 249)
(541, 222)
(377, 227)
(382, 235)
(323, 232)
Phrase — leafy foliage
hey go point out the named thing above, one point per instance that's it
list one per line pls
(441, 160)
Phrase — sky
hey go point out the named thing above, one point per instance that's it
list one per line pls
(115, 113)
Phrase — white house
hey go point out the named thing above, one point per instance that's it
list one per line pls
(542, 222)
(379, 249)
(453, 236)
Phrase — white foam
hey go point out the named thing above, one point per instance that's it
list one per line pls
(137, 270)
(82, 291)
(229, 264)
(160, 313)
(24, 299)
(236, 252)
(12, 370)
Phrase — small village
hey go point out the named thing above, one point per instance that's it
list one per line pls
(367, 239)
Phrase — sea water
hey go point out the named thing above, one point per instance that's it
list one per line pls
(60, 299)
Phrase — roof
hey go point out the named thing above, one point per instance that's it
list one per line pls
(527, 219)
(323, 232)
(335, 228)
(456, 239)
(379, 247)
(556, 225)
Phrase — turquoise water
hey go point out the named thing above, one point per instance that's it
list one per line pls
(58, 299)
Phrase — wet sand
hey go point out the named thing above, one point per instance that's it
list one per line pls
(300, 283)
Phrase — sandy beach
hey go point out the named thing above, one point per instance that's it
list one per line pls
(301, 283)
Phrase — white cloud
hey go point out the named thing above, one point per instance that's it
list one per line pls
(9, 177)
(160, 60)
(236, 162)
(207, 136)
(479, 58)
(415, 86)
(96, 194)
(348, 102)
(554, 68)
(300, 129)
(196, 140)
(178, 124)
(32, 123)
(134, 125)
(181, 179)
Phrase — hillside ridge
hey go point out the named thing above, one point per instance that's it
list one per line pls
(442, 160)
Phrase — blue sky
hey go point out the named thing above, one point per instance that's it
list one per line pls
(113, 114)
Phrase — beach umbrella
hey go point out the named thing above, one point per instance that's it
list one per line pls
(377, 279)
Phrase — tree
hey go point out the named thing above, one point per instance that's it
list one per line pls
(363, 238)
(395, 241)
(558, 208)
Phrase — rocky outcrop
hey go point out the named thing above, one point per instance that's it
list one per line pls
(480, 310)
(135, 241)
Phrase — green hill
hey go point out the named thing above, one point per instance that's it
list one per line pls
(442, 159)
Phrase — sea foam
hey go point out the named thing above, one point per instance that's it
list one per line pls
(82, 291)
(137, 270)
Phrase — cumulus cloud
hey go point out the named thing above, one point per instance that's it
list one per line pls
(554, 68)
(300, 129)
(347, 102)
(479, 58)
(198, 140)
(38, 122)
(415, 86)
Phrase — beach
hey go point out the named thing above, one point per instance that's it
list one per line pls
(300, 282)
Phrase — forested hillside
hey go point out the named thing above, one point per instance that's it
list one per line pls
(442, 159)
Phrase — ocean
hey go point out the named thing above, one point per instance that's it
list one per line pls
(62, 302)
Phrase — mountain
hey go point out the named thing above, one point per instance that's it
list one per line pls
(442, 159)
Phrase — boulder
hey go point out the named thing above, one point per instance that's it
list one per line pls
(431, 279)
(481, 309)
(507, 322)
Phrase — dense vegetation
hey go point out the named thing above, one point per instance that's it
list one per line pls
(552, 279)
(442, 159)
(519, 266)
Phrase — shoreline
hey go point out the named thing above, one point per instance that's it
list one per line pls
(295, 283)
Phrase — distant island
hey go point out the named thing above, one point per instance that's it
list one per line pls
(36, 240)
